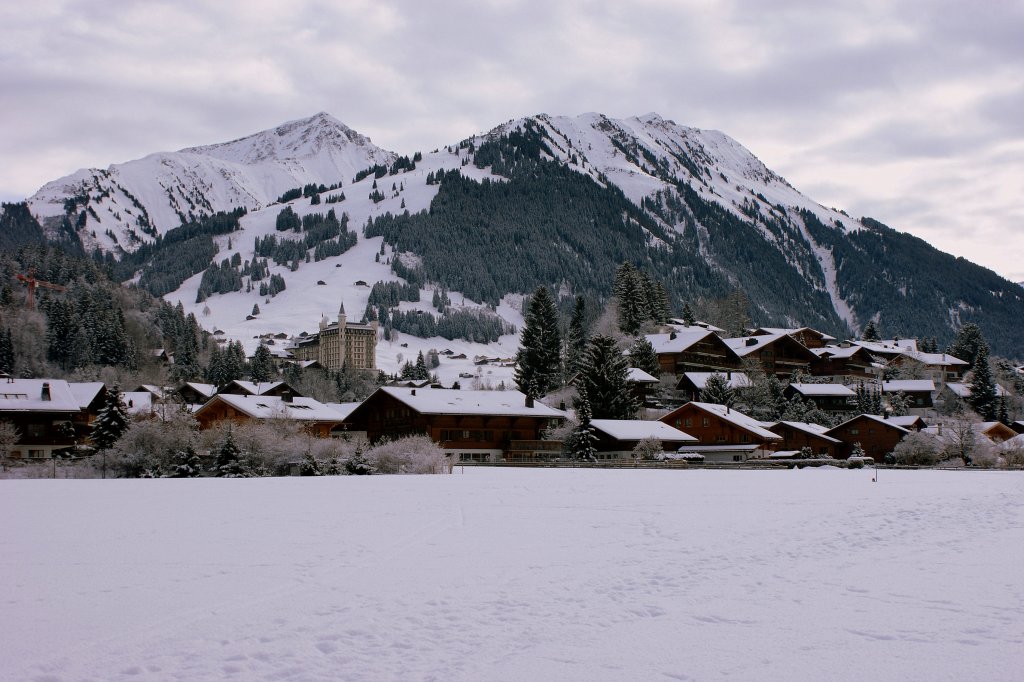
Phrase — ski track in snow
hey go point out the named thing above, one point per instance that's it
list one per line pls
(516, 574)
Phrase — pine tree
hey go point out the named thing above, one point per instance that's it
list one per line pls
(187, 463)
(6, 352)
(358, 465)
(111, 421)
(716, 390)
(576, 338)
(604, 377)
(899, 404)
(580, 443)
(255, 309)
(421, 372)
(229, 463)
(688, 319)
(538, 361)
(870, 332)
(984, 398)
(968, 344)
(642, 356)
(262, 366)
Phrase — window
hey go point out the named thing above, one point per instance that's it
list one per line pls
(705, 421)
(737, 458)
(744, 438)
(689, 421)
(853, 431)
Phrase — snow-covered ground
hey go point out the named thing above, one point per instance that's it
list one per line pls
(497, 574)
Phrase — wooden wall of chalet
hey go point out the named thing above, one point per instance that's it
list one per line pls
(795, 439)
(709, 429)
(382, 415)
(707, 355)
(876, 438)
(220, 412)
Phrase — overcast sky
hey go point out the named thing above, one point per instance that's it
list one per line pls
(908, 112)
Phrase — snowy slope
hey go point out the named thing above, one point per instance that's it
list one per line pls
(162, 188)
(505, 574)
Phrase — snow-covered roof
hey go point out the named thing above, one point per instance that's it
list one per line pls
(888, 346)
(253, 388)
(837, 390)
(813, 429)
(138, 402)
(737, 418)
(908, 386)
(745, 345)
(638, 376)
(795, 331)
(837, 351)
(157, 391)
(684, 338)
(638, 429)
(274, 407)
(936, 359)
(891, 422)
(698, 449)
(344, 409)
(451, 401)
(906, 421)
(203, 389)
(732, 379)
(962, 390)
(22, 395)
(679, 323)
(1013, 443)
(85, 391)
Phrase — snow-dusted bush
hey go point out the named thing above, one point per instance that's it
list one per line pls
(269, 448)
(918, 448)
(151, 446)
(1013, 456)
(409, 455)
(649, 449)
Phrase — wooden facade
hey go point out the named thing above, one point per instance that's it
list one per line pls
(712, 428)
(778, 354)
(876, 435)
(238, 410)
(799, 436)
(700, 351)
(842, 363)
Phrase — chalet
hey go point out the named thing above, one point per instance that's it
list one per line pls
(887, 349)
(800, 435)
(956, 391)
(44, 413)
(642, 384)
(827, 397)
(910, 422)
(877, 436)
(484, 426)
(269, 388)
(997, 432)
(779, 354)
(692, 384)
(91, 396)
(843, 362)
(693, 349)
(195, 393)
(939, 367)
(315, 417)
(616, 438)
(807, 337)
(723, 434)
(919, 392)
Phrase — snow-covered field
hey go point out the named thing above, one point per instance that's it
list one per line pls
(497, 574)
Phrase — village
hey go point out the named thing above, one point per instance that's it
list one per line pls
(844, 403)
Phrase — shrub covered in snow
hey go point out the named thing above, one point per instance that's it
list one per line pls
(918, 448)
(409, 455)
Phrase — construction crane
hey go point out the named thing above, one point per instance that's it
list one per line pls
(31, 282)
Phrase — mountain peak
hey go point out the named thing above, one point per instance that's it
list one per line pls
(301, 138)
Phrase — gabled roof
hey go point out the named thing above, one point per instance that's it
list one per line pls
(831, 390)
(157, 391)
(344, 409)
(638, 429)
(85, 391)
(908, 386)
(681, 324)
(731, 416)
(202, 389)
(888, 346)
(745, 345)
(962, 390)
(684, 338)
(252, 388)
(636, 375)
(813, 429)
(793, 332)
(936, 359)
(909, 421)
(838, 351)
(26, 395)
(732, 379)
(451, 401)
(873, 417)
(274, 407)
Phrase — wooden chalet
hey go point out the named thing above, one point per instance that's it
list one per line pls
(693, 349)
(827, 397)
(779, 354)
(723, 434)
(877, 436)
(616, 438)
(91, 396)
(887, 349)
(919, 392)
(807, 337)
(842, 362)
(485, 426)
(315, 417)
(195, 393)
(269, 388)
(997, 432)
(692, 384)
(939, 367)
(799, 435)
(642, 384)
(44, 411)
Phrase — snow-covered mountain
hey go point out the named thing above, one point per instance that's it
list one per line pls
(724, 219)
(130, 203)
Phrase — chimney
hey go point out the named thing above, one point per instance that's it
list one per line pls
(529, 401)
(286, 396)
(751, 342)
(561, 406)
(46, 392)
(413, 392)
(940, 428)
